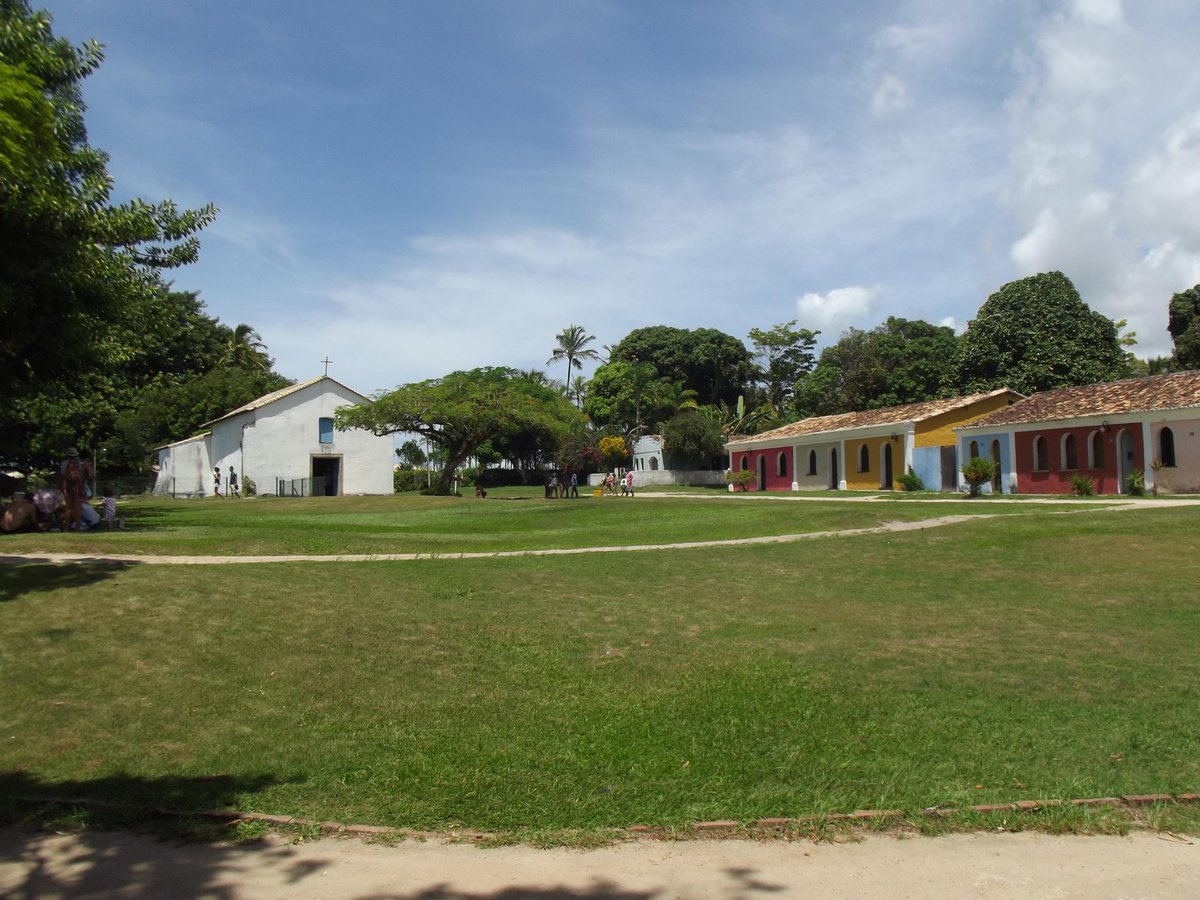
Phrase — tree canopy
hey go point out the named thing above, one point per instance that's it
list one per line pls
(900, 361)
(463, 411)
(1184, 324)
(783, 355)
(1036, 334)
(717, 366)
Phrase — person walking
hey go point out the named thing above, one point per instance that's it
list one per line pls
(574, 485)
(75, 473)
(629, 482)
(217, 481)
(233, 484)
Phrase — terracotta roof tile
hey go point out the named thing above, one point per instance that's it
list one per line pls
(1179, 390)
(891, 415)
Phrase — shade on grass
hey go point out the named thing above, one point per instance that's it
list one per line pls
(1019, 657)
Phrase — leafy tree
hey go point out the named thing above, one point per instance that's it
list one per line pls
(783, 356)
(410, 455)
(900, 361)
(462, 411)
(693, 440)
(715, 365)
(1184, 324)
(1035, 334)
(573, 347)
(613, 450)
(72, 264)
(978, 471)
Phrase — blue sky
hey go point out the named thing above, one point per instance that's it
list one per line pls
(414, 187)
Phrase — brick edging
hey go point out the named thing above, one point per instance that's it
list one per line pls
(720, 826)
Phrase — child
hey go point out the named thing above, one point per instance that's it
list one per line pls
(110, 510)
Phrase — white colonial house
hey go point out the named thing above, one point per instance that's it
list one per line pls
(286, 443)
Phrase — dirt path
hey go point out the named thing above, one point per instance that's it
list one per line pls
(957, 866)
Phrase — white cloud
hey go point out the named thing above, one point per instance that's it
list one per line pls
(1099, 12)
(837, 309)
(890, 97)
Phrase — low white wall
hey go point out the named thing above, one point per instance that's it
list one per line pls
(647, 478)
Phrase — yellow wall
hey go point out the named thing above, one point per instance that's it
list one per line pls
(869, 481)
(938, 431)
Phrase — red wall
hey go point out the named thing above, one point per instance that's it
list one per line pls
(1057, 480)
(775, 482)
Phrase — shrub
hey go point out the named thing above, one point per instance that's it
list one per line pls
(741, 478)
(1135, 483)
(911, 481)
(408, 479)
(978, 471)
(249, 488)
(1082, 486)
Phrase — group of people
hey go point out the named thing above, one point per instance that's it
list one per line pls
(611, 481)
(69, 506)
(231, 483)
(568, 486)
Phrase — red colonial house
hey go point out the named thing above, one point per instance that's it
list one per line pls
(1104, 432)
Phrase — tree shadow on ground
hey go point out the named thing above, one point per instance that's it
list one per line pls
(56, 838)
(27, 575)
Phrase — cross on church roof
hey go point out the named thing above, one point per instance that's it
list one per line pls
(327, 361)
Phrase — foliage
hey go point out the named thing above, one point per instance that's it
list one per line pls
(613, 450)
(978, 471)
(1036, 334)
(910, 481)
(1183, 322)
(409, 479)
(715, 365)
(572, 346)
(693, 441)
(1082, 485)
(900, 361)
(249, 486)
(623, 394)
(73, 266)
(782, 355)
(740, 478)
(1135, 483)
(463, 411)
(410, 455)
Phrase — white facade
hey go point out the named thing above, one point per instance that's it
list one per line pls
(286, 436)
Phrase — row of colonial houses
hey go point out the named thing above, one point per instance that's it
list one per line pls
(1103, 432)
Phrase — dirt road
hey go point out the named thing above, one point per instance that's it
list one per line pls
(959, 866)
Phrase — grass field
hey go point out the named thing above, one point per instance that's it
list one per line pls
(1025, 656)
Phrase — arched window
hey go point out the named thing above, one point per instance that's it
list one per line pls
(812, 462)
(1040, 463)
(781, 464)
(745, 462)
(1166, 447)
(1070, 459)
(654, 464)
(1096, 450)
(864, 459)
(974, 450)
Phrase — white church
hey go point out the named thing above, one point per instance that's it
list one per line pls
(286, 443)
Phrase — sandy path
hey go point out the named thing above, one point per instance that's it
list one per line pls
(957, 866)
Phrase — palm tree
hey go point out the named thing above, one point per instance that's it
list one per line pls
(572, 346)
(245, 349)
(579, 390)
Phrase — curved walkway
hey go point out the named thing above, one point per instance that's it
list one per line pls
(886, 528)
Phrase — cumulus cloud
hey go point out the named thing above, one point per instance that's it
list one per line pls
(890, 97)
(837, 309)
(1106, 169)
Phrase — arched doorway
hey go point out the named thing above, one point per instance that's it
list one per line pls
(996, 480)
(1125, 458)
(885, 476)
(833, 469)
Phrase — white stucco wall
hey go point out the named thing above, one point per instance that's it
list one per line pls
(281, 440)
(184, 468)
(1184, 477)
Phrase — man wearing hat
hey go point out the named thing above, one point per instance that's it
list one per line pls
(75, 475)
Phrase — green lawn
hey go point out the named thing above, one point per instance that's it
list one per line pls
(1025, 656)
(510, 519)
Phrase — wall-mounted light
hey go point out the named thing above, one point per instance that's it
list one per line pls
(895, 437)
(1104, 426)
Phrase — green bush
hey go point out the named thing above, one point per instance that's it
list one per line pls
(408, 480)
(911, 481)
(249, 488)
(978, 471)
(742, 478)
(1082, 486)
(1135, 483)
